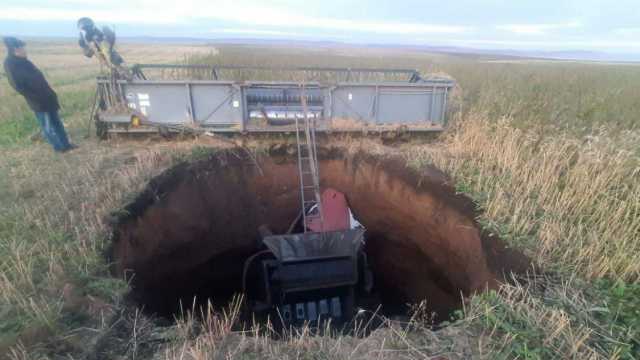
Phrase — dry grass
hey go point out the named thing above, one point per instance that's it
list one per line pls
(522, 311)
(53, 233)
(216, 336)
(571, 203)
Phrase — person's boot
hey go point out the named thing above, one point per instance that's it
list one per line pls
(71, 147)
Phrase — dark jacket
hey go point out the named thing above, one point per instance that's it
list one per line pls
(27, 80)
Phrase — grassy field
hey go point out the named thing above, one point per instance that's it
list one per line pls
(549, 150)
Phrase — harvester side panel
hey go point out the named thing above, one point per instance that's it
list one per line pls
(217, 104)
(354, 103)
(408, 106)
(163, 103)
(272, 106)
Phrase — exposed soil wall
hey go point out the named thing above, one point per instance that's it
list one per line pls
(190, 231)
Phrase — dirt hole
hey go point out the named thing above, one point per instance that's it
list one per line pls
(190, 231)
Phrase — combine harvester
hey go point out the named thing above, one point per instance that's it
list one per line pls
(314, 273)
(312, 276)
(234, 99)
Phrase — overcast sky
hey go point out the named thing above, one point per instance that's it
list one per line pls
(612, 25)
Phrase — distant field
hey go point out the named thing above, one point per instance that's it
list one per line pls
(547, 149)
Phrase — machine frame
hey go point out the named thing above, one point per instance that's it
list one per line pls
(229, 98)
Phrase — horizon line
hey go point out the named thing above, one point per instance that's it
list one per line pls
(436, 48)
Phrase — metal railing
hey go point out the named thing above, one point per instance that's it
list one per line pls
(242, 72)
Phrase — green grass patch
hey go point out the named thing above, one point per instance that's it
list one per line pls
(620, 314)
(18, 129)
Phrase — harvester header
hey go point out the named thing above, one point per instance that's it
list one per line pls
(256, 99)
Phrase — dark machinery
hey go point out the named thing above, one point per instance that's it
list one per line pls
(313, 277)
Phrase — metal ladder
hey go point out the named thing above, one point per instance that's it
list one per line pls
(308, 166)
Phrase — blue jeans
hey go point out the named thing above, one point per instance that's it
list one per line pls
(53, 130)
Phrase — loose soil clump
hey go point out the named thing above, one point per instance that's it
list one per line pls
(188, 234)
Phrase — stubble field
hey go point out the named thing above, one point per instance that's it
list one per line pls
(547, 150)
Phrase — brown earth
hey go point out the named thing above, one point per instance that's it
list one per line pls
(189, 232)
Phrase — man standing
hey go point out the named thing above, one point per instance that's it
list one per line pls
(29, 82)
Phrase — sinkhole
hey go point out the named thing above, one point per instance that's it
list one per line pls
(190, 231)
